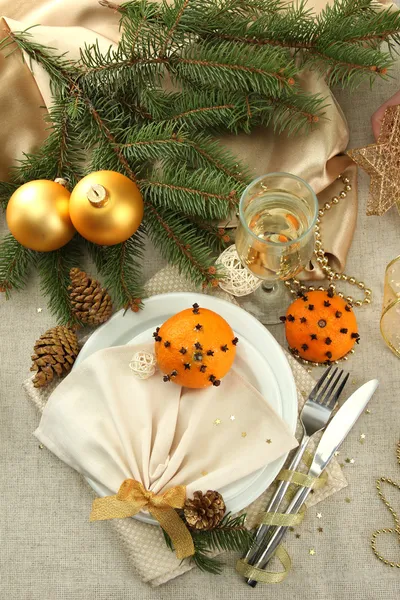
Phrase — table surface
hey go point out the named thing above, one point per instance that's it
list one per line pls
(44, 559)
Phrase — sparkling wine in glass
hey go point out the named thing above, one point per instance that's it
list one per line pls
(275, 237)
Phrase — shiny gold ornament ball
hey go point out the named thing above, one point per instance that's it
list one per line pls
(106, 207)
(38, 215)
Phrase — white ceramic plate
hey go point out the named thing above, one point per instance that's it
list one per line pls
(259, 358)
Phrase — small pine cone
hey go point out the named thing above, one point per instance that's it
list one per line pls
(91, 303)
(55, 353)
(204, 511)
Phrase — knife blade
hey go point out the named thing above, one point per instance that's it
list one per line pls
(334, 435)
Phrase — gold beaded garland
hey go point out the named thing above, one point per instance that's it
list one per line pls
(294, 285)
(396, 529)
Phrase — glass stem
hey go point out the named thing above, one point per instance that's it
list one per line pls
(268, 287)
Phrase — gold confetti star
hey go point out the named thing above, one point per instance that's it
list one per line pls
(348, 500)
(232, 417)
(291, 528)
(39, 310)
(320, 529)
(352, 461)
(367, 412)
(311, 552)
(319, 515)
(41, 446)
(341, 465)
(217, 422)
(269, 441)
(204, 473)
(244, 434)
(362, 438)
(336, 453)
(297, 536)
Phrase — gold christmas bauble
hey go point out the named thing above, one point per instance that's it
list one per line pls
(106, 207)
(38, 215)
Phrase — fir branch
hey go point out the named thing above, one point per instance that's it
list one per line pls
(173, 13)
(6, 191)
(59, 155)
(206, 563)
(137, 24)
(112, 5)
(231, 66)
(164, 141)
(231, 535)
(349, 65)
(177, 239)
(202, 193)
(60, 69)
(54, 268)
(15, 263)
(266, 23)
(120, 267)
(216, 238)
(97, 253)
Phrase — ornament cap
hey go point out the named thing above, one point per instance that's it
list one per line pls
(97, 195)
(61, 181)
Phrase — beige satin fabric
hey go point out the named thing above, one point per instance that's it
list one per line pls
(110, 426)
(68, 24)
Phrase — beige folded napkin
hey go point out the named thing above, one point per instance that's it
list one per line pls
(110, 426)
(144, 544)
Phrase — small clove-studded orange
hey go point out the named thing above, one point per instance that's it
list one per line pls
(195, 348)
(320, 327)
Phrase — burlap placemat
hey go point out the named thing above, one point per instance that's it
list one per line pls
(144, 544)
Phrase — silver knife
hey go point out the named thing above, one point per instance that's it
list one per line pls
(332, 438)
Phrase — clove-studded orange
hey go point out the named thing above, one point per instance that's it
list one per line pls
(195, 348)
(320, 327)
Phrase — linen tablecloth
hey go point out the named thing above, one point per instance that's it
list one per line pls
(41, 558)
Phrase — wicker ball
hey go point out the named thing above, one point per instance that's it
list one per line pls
(238, 280)
(143, 364)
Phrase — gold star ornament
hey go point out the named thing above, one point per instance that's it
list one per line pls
(382, 161)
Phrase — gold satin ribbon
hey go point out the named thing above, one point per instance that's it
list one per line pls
(278, 519)
(300, 479)
(132, 497)
(250, 572)
(282, 519)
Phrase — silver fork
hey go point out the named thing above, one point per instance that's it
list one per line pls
(313, 418)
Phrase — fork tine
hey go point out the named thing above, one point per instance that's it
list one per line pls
(335, 398)
(319, 383)
(322, 394)
(331, 385)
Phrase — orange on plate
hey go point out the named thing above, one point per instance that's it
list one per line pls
(195, 348)
(320, 327)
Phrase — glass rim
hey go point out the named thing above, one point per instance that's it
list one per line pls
(274, 174)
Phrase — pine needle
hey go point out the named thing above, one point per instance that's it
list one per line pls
(15, 263)
(54, 268)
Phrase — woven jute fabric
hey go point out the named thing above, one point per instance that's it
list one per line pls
(144, 544)
(50, 551)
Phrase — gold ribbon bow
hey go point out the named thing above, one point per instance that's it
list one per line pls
(132, 497)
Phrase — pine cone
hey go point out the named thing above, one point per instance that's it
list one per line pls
(91, 303)
(204, 511)
(55, 353)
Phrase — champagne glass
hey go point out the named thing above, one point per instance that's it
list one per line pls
(275, 238)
